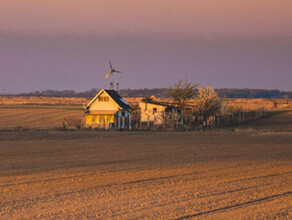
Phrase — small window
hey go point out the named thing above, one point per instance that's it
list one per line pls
(154, 110)
(103, 99)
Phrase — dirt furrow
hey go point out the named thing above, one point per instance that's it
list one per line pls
(237, 205)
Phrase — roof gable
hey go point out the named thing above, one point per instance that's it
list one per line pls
(118, 99)
(114, 96)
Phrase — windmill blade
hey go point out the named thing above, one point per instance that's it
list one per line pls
(117, 71)
(107, 75)
(110, 63)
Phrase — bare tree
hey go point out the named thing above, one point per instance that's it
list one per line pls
(182, 92)
(208, 102)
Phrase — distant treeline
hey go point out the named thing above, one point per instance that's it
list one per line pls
(224, 93)
(254, 93)
(163, 93)
(62, 93)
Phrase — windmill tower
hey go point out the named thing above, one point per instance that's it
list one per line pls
(110, 74)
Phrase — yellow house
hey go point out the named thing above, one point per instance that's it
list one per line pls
(107, 110)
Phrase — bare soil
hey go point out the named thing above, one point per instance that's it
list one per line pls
(149, 175)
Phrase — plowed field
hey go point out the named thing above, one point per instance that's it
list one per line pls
(134, 175)
(38, 117)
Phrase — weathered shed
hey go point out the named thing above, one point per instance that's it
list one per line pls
(153, 112)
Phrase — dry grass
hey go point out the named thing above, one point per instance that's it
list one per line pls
(246, 104)
(19, 100)
(108, 175)
(253, 104)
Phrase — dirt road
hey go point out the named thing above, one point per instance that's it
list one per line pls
(104, 175)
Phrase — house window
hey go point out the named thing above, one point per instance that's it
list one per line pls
(154, 110)
(103, 99)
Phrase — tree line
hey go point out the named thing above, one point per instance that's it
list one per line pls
(224, 93)
(164, 93)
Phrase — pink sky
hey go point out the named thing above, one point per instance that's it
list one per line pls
(202, 17)
(223, 43)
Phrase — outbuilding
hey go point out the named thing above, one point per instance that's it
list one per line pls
(153, 112)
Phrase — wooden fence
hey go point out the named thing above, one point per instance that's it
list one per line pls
(195, 122)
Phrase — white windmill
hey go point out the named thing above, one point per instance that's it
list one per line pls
(110, 73)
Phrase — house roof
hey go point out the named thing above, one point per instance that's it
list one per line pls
(114, 96)
(118, 99)
(171, 105)
(168, 104)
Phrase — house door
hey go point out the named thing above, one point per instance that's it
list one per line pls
(102, 121)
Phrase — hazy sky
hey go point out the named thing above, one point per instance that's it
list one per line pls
(66, 44)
